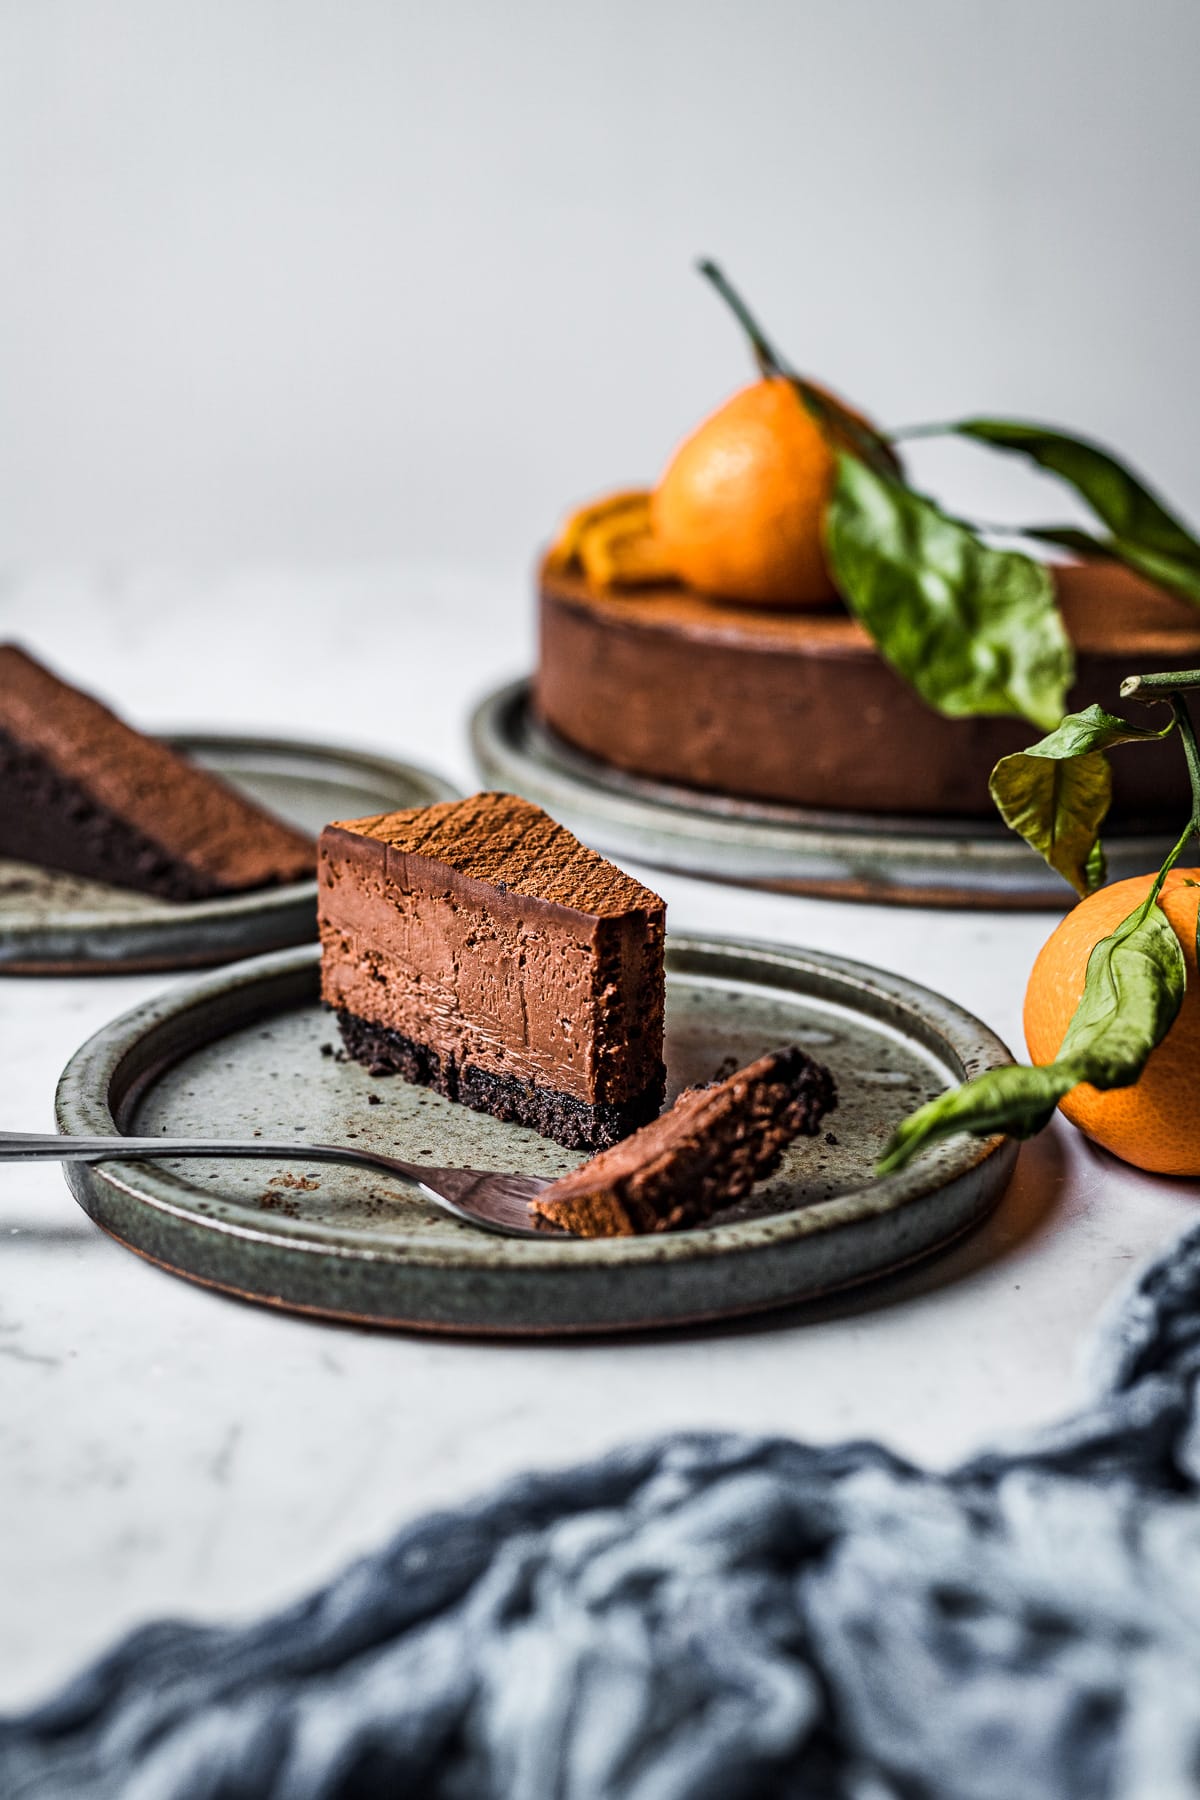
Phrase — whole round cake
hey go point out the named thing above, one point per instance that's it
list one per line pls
(800, 708)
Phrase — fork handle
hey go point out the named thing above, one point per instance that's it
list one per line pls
(24, 1146)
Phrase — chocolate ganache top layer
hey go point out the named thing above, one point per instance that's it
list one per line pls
(482, 930)
(502, 841)
(194, 816)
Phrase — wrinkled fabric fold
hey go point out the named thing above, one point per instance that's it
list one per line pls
(718, 1616)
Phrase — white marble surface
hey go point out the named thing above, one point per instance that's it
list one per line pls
(166, 1451)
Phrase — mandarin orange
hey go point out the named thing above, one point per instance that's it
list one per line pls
(739, 512)
(1155, 1124)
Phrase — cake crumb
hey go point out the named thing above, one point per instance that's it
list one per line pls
(279, 1203)
(695, 1160)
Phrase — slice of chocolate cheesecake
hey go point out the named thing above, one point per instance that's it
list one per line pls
(708, 1151)
(478, 948)
(84, 792)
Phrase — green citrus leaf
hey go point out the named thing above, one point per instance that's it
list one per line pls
(1018, 1100)
(1115, 494)
(1096, 869)
(1058, 808)
(1175, 574)
(1056, 793)
(1143, 532)
(974, 629)
(1132, 993)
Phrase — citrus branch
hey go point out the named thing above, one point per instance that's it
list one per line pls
(771, 364)
(1172, 686)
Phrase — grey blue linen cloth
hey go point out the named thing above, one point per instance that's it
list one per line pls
(714, 1617)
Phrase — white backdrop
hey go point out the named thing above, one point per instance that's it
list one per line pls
(328, 279)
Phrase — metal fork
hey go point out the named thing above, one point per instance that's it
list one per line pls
(480, 1197)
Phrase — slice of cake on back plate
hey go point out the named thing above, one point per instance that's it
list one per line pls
(478, 948)
(83, 792)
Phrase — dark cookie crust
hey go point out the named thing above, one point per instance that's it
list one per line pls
(554, 1115)
(52, 821)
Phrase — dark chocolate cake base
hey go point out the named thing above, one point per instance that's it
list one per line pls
(555, 1115)
(50, 820)
(799, 707)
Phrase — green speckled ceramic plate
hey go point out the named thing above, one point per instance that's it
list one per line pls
(850, 856)
(54, 924)
(251, 1050)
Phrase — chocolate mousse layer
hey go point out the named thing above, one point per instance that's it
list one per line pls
(705, 1153)
(801, 709)
(478, 948)
(82, 791)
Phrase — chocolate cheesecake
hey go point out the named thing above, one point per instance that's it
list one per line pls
(800, 709)
(82, 791)
(476, 947)
(705, 1153)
